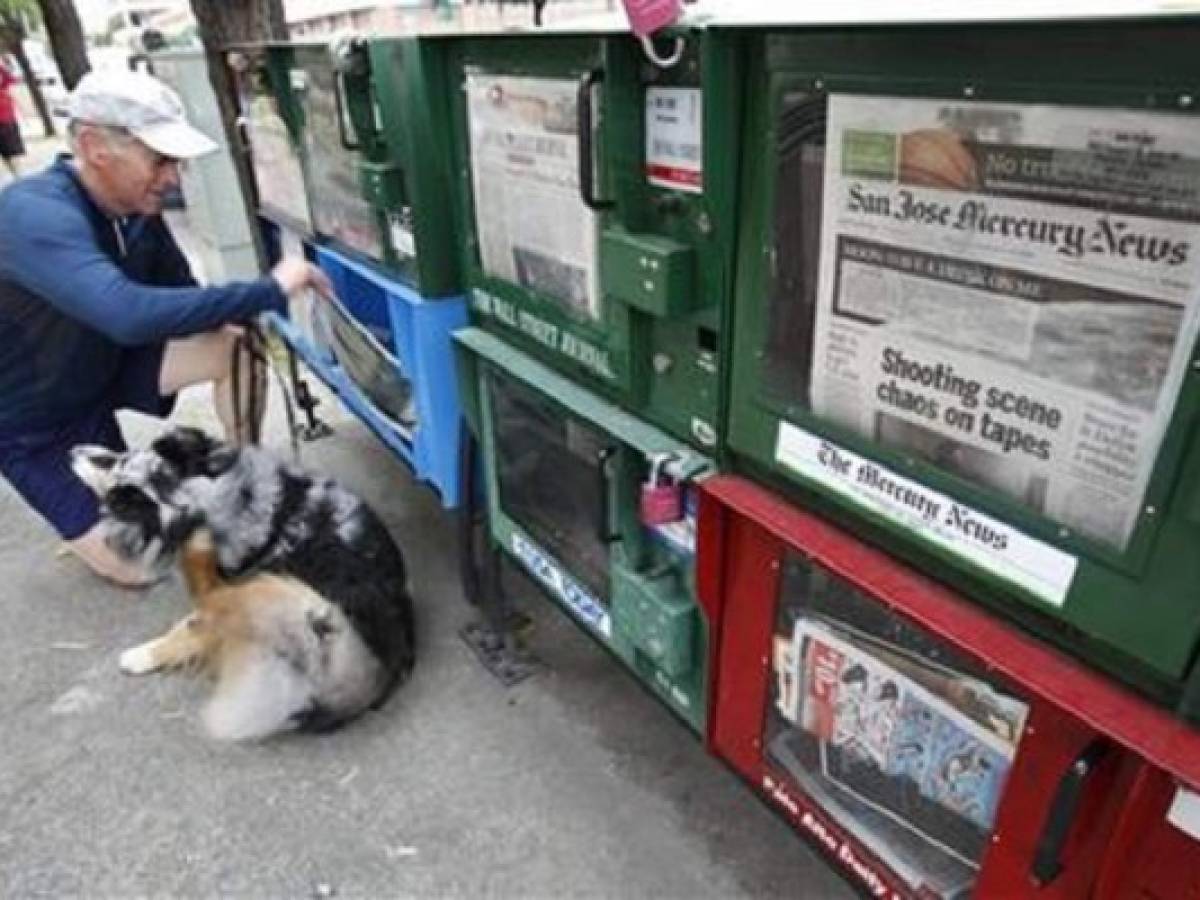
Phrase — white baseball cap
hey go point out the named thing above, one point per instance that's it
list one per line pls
(143, 106)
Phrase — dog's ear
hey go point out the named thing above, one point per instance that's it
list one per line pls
(187, 450)
(93, 466)
(221, 460)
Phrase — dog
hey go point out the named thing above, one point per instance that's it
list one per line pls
(302, 608)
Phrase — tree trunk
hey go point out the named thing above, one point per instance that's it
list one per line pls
(222, 23)
(66, 39)
(12, 38)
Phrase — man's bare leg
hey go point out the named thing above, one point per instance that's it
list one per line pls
(102, 560)
(208, 357)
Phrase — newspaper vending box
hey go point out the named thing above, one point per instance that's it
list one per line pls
(383, 348)
(597, 208)
(966, 312)
(377, 156)
(929, 748)
(599, 508)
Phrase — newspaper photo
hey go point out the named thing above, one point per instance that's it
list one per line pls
(1010, 292)
(533, 228)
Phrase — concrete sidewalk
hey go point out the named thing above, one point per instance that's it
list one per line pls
(39, 151)
(573, 784)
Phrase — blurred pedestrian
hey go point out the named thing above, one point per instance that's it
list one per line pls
(11, 145)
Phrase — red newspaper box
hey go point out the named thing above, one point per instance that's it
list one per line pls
(931, 749)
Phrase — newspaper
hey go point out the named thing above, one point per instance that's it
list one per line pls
(533, 228)
(379, 374)
(1009, 291)
(892, 719)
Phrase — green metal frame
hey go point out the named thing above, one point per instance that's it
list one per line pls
(407, 85)
(1135, 613)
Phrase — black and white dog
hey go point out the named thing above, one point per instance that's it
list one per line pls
(303, 613)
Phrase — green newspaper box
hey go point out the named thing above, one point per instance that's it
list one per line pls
(377, 155)
(967, 304)
(597, 202)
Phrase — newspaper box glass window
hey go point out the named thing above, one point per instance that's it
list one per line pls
(891, 732)
(547, 474)
(1007, 291)
(340, 211)
(278, 176)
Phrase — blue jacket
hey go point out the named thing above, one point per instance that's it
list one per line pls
(77, 287)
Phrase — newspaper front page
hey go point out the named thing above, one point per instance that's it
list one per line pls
(1010, 292)
(534, 229)
(277, 172)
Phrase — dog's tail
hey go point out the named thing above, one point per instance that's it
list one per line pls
(294, 661)
(257, 696)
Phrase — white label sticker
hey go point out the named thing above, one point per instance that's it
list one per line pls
(1184, 813)
(988, 543)
(569, 591)
(402, 237)
(674, 138)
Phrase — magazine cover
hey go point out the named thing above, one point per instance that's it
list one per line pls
(950, 759)
(888, 731)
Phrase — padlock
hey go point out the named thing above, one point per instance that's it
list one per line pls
(648, 16)
(662, 498)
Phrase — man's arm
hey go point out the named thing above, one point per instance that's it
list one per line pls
(47, 246)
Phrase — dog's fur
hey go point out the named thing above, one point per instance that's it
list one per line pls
(302, 606)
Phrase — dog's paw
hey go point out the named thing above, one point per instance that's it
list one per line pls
(138, 660)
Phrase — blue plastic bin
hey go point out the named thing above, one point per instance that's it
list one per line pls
(418, 333)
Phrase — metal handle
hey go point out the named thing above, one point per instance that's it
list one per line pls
(339, 79)
(603, 519)
(587, 162)
(1047, 864)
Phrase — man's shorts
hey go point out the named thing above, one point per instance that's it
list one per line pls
(39, 466)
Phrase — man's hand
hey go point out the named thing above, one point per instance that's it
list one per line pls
(295, 274)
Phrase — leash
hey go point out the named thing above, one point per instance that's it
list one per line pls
(252, 344)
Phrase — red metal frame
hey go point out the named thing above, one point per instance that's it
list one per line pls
(1148, 857)
(744, 533)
